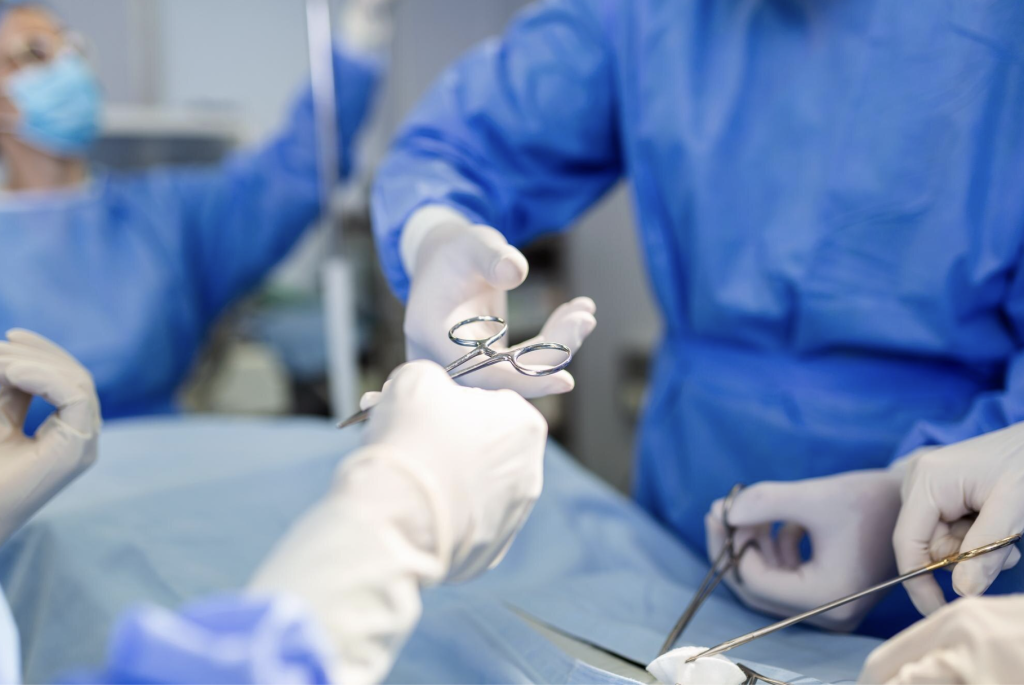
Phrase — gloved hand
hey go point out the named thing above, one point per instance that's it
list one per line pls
(849, 520)
(446, 479)
(33, 470)
(971, 641)
(942, 490)
(460, 270)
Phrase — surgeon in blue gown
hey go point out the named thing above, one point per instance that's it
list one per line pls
(129, 271)
(829, 195)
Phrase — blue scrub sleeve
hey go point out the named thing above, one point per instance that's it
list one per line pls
(231, 639)
(520, 134)
(991, 410)
(244, 217)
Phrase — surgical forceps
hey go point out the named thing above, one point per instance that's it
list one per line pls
(953, 559)
(728, 560)
(754, 677)
(482, 346)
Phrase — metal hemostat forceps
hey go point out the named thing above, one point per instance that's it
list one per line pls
(482, 347)
(944, 562)
(727, 561)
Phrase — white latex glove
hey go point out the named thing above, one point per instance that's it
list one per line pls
(849, 519)
(942, 491)
(448, 476)
(460, 270)
(33, 470)
(970, 641)
(365, 26)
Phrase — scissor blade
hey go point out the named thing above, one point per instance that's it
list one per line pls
(754, 677)
(358, 417)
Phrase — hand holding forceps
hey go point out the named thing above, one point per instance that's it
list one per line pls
(482, 347)
(729, 558)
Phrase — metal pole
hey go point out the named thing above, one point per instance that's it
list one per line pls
(339, 299)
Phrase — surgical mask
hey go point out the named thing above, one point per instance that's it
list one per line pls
(58, 104)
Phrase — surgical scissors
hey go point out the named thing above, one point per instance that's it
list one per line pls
(727, 561)
(482, 346)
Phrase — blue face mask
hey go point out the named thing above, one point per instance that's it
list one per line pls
(58, 104)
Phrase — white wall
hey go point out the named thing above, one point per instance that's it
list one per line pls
(237, 54)
(110, 27)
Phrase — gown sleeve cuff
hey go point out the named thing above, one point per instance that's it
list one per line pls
(231, 638)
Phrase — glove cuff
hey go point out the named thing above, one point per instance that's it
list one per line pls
(424, 514)
(422, 222)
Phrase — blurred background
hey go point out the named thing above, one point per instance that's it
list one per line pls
(188, 81)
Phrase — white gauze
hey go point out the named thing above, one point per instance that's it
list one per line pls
(673, 668)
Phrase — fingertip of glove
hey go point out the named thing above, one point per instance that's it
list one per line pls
(587, 324)
(1012, 559)
(584, 304)
(562, 382)
(565, 383)
(973, 577)
(509, 270)
(369, 399)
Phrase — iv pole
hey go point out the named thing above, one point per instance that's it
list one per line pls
(337, 277)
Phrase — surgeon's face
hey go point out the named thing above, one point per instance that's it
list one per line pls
(28, 36)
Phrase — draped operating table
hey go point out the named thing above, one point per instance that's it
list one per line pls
(179, 508)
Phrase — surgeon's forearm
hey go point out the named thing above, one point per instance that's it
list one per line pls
(359, 559)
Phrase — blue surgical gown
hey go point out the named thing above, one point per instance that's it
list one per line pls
(829, 195)
(130, 272)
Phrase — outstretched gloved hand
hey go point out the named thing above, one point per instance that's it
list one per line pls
(943, 490)
(446, 479)
(461, 270)
(33, 470)
(849, 520)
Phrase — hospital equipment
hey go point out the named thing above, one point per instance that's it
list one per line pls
(783, 223)
(756, 677)
(517, 357)
(338, 292)
(927, 569)
(727, 561)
